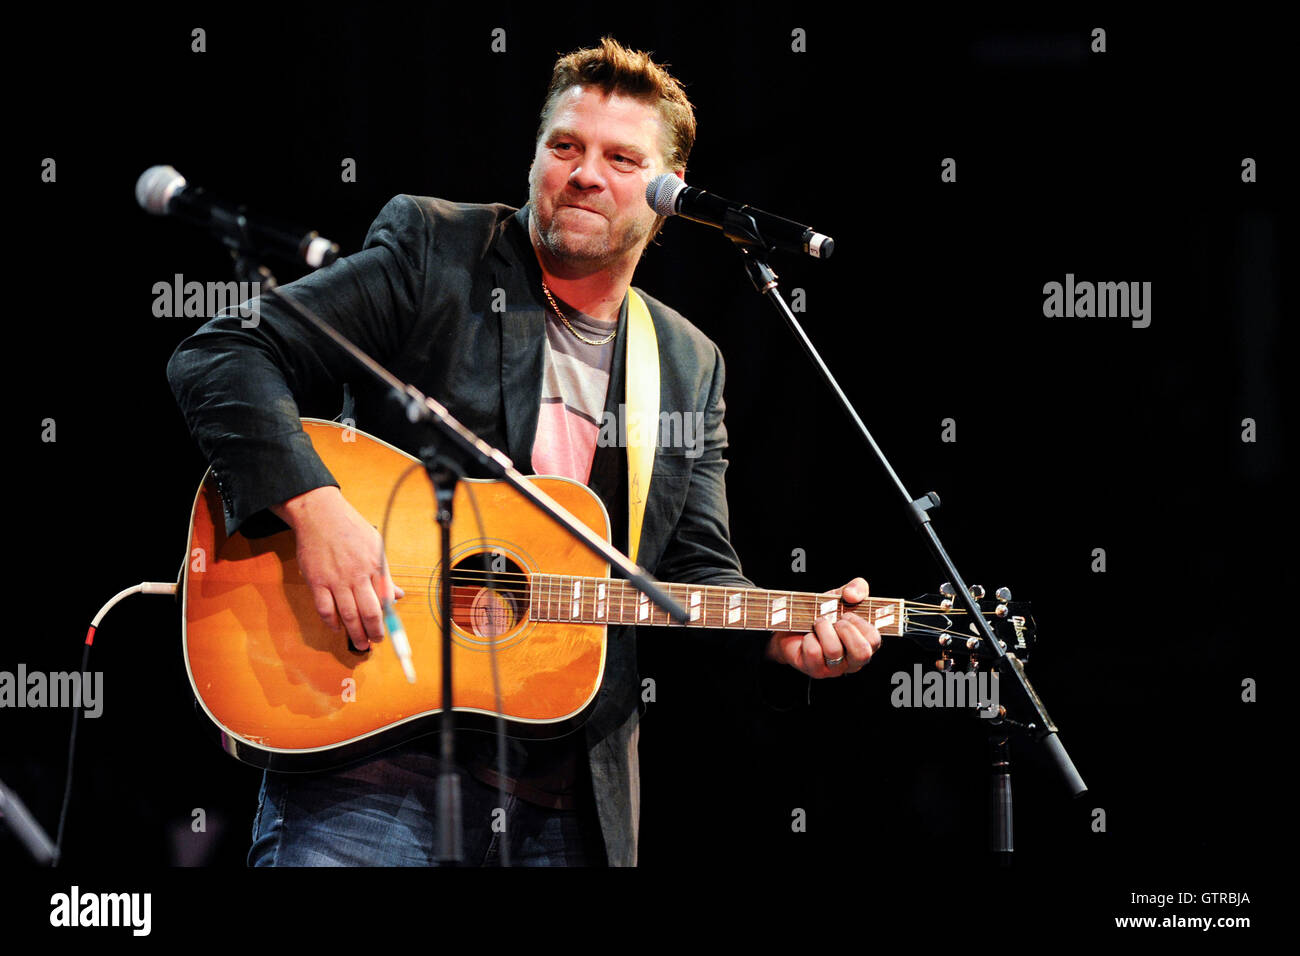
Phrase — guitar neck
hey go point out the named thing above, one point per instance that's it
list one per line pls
(569, 599)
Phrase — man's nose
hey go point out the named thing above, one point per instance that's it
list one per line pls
(587, 175)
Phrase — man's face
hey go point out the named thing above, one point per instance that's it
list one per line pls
(588, 179)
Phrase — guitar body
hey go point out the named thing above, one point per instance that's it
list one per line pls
(287, 693)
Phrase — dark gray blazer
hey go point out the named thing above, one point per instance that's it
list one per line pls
(448, 297)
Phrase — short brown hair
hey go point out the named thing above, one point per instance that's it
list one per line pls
(613, 68)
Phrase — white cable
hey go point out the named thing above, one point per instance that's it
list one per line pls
(145, 587)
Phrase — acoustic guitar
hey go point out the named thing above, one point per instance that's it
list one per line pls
(531, 608)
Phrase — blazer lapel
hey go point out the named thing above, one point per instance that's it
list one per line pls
(523, 339)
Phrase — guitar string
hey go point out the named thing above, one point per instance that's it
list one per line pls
(562, 594)
(473, 572)
(462, 604)
(419, 569)
(554, 580)
(926, 629)
(557, 590)
(713, 601)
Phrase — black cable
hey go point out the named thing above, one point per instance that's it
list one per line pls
(72, 753)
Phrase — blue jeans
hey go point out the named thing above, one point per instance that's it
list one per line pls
(382, 812)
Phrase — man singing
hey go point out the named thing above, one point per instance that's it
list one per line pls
(519, 322)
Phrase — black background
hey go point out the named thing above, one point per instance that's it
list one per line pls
(1072, 434)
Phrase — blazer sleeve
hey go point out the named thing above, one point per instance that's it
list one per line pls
(242, 383)
(700, 552)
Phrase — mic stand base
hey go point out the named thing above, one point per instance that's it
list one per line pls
(1001, 815)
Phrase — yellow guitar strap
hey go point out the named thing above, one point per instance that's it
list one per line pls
(642, 402)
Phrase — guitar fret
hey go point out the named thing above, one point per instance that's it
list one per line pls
(733, 598)
(797, 611)
(778, 612)
(888, 615)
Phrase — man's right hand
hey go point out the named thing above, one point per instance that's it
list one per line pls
(341, 557)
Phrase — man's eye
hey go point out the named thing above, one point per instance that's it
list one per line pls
(562, 146)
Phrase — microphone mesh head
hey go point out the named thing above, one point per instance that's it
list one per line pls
(661, 193)
(155, 188)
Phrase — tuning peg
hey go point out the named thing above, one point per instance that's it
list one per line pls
(944, 663)
(947, 590)
(944, 640)
(1003, 594)
(976, 591)
(1000, 610)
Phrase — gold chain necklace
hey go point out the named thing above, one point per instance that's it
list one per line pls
(605, 341)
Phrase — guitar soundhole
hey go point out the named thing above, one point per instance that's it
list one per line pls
(490, 595)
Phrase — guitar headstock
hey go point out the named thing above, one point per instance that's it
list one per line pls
(939, 623)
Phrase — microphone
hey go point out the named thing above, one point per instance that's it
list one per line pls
(163, 191)
(668, 195)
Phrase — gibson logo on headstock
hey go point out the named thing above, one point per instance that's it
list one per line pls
(1018, 622)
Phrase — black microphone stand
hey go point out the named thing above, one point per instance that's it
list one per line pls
(742, 230)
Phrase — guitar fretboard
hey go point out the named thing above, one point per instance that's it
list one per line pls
(582, 600)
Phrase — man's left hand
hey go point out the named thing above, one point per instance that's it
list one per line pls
(830, 650)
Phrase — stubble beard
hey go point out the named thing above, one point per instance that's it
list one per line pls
(585, 251)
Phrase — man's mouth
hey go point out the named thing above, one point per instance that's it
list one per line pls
(569, 205)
